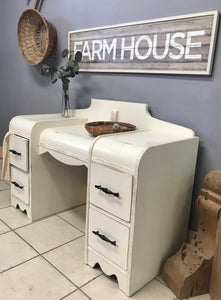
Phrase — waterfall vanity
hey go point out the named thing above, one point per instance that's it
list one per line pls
(56, 165)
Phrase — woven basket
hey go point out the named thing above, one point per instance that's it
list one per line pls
(106, 127)
(36, 36)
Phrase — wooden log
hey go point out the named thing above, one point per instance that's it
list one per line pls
(188, 272)
(213, 181)
(215, 284)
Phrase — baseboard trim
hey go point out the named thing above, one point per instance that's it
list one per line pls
(0, 151)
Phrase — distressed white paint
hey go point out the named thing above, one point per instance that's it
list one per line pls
(152, 168)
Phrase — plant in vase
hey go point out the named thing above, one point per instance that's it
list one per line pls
(69, 70)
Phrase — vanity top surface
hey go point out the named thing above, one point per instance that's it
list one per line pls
(124, 147)
(69, 140)
(68, 136)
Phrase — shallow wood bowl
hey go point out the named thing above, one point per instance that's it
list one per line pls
(106, 127)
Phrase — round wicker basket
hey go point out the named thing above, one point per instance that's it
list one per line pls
(36, 36)
(105, 127)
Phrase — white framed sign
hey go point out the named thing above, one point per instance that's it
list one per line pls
(176, 45)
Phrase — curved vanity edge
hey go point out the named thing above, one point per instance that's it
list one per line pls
(17, 203)
(108, 268)
(164, 192)
(67, 144)
(23, 125)
(125, 150)
(171, 127)
(70, 159)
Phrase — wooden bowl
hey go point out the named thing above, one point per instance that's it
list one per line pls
(106, 127)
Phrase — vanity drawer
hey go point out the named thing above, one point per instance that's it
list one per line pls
(108, 237)
(103, 181)
(20, 184)
(19, 152)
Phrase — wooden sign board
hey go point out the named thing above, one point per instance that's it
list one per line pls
(176, 45)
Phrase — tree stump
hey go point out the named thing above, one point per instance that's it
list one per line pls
(215, 283)
(188, 272)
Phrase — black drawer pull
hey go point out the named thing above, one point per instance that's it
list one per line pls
(17, 185)
(107, 191)
(15, 152)
(104, 238)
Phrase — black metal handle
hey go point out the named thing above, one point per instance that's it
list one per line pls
(15, 152)
(104, 238)
(17, 185)
(107, 191)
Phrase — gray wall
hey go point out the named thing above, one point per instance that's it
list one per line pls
(191, 101)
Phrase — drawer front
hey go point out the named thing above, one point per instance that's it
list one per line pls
(104, 180)
(20, 184)
(108, 237)
(19, 152)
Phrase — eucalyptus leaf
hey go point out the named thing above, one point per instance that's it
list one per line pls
(78, 56)
(54, 69)
(64, 74)
(44, 66)
(51, 72)
(71, 64)
(45, 69)
(54, 80)
(64, 53)
(69, 70)
(67, 73)
(72, 74)
(76, 69)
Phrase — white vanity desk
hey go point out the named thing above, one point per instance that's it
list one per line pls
(137, 185)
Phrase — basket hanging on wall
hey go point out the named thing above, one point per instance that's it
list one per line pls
(36, 36)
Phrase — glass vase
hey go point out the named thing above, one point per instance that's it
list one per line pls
(66, 112)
